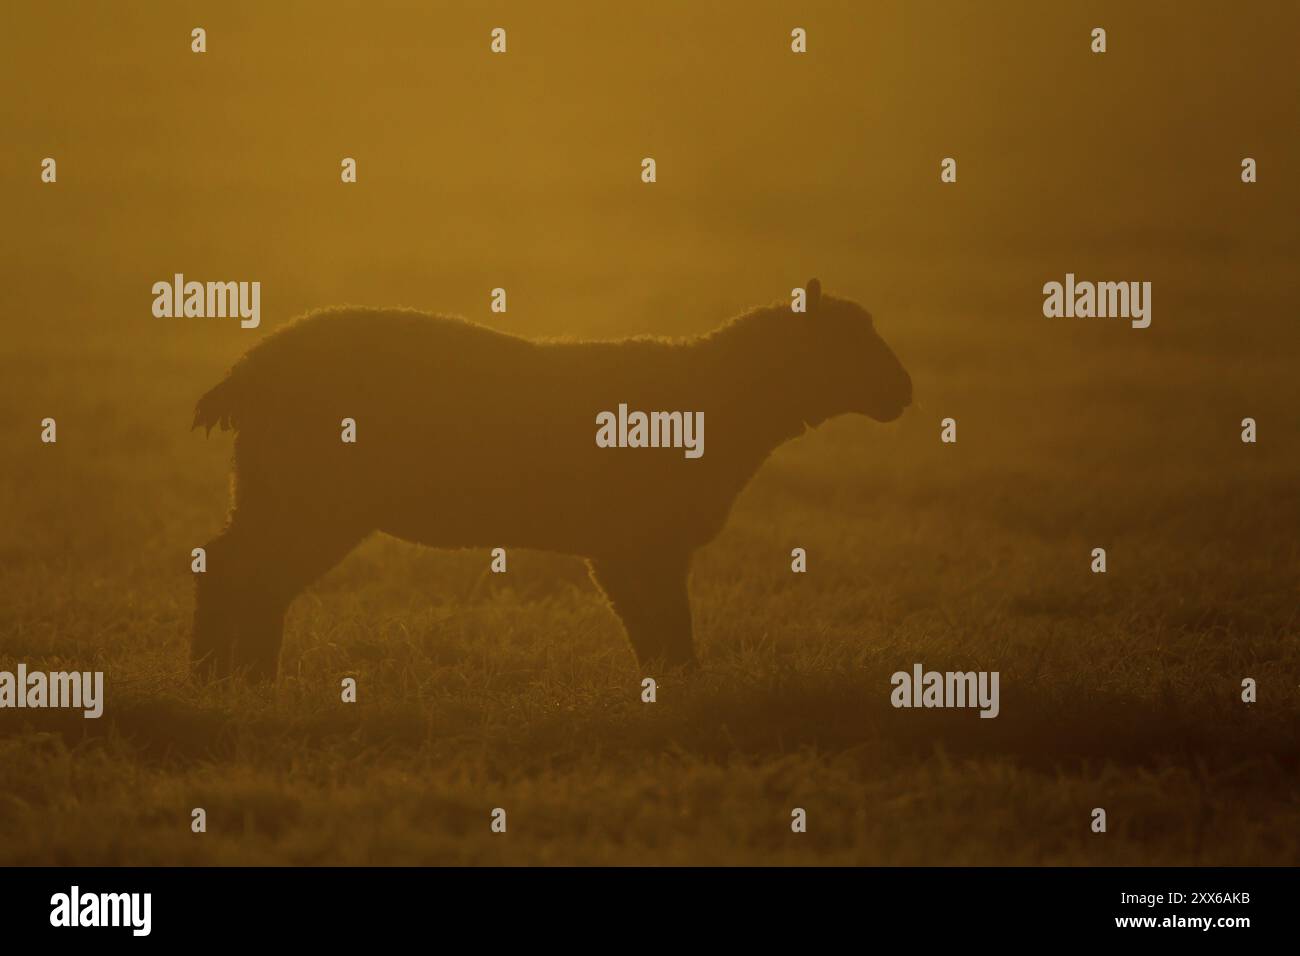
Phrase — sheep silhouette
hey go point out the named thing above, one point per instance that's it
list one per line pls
(468, 437)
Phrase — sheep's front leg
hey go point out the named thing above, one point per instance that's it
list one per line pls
(649, 595)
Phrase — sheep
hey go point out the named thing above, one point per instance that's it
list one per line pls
(467, 437)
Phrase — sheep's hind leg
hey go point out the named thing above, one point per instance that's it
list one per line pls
(212, 641)
(650, 597)
(288, 559)
(254, 571)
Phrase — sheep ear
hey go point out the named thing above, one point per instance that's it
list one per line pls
(813, 293)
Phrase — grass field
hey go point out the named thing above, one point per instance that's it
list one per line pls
(477, 691)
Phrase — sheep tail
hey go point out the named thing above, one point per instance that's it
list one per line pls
(216, 408)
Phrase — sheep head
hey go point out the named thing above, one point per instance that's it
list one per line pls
(855, 370)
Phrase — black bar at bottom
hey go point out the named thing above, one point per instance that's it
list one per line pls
(609, 906)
